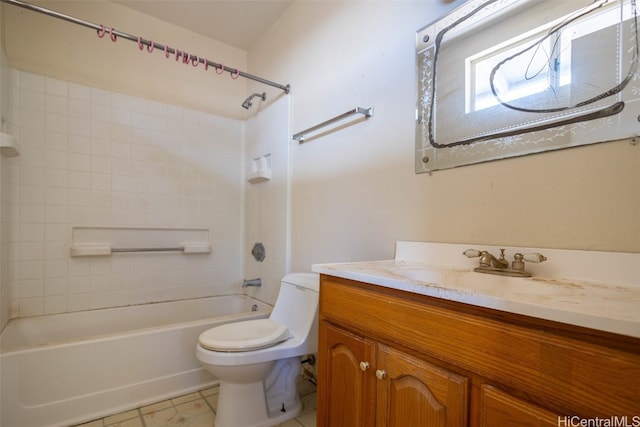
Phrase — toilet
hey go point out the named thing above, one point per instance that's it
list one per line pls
(258, 361)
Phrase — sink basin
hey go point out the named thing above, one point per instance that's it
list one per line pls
(597, 290)
(456, 278)
(439, 281)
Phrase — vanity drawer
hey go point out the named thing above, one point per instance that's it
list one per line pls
(593, 377)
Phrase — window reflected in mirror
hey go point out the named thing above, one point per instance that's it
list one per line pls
(504, 78)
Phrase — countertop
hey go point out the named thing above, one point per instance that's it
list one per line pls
(610, 307)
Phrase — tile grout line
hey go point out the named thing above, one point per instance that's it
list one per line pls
(207, 401)
(200, 395)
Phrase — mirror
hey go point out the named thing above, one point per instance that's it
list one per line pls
(505, 78)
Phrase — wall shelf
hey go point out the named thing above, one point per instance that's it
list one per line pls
(8, 145)
(105, 241)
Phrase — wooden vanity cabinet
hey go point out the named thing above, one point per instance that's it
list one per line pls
(403, 391)
(348, 388)
(498, 408)
(393, 358)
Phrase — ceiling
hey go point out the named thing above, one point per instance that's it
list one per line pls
(238, 23)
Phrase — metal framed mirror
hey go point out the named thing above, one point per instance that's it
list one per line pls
(505, 78)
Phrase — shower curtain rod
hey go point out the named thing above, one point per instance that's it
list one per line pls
(150, 44)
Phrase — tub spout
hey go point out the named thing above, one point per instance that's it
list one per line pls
(252, 282)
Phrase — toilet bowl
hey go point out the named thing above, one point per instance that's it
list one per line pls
(258, 361)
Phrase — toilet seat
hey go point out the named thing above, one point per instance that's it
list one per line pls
(244, 336)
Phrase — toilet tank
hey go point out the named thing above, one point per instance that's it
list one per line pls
(297, 304)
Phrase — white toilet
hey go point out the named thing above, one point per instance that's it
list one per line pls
(258, 361)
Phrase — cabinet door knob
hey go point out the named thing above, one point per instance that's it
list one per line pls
(364, 366)
(381, 374)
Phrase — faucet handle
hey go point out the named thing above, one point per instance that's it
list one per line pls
(472, 253)
(534, 257)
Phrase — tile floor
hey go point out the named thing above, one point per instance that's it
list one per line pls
(198, 410)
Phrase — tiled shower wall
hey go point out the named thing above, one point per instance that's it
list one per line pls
(4, 194)
(267, 203)
(89, 157)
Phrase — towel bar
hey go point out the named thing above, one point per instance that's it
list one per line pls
(367, 112)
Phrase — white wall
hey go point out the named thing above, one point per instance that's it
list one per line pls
(354, 191)
(91, 157)
(41, 44)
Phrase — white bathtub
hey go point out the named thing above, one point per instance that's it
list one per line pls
(62, 369)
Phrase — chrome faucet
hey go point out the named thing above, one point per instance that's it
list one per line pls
(488, 260)
(252, 282)
(492, 265)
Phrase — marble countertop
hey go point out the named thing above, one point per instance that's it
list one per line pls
(602, 306)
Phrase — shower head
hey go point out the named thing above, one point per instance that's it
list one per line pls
(247, 102)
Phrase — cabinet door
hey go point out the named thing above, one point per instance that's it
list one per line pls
(346, 384)
(498, 408)
(413, 392)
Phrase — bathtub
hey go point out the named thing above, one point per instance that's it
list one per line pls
(69, 368)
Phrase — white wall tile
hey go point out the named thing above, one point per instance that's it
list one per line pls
(57, 250)
(79, 162)
(57, 141)
(55, 304)
(56, 104)
(56, 87)
(31, 250)
(32, 214)
(79, 180)
(95, 158)
(31, 232)
(31, 306)
(31, 118)
(79, 302)
(31, 81)
(79, 92)
(31, 270)
(32, 100)
(57, 178)
(56, 286)
(55, 122)
(55, 232)
(56, 269)
(56, 214)
(32, 137)
(57, 196)
(32, 156)
(56, 159)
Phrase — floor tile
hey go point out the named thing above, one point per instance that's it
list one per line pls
(186, 398)
(149, 409)
(161, 418)
(123, 416)
(198, 410)
(96, 423)
(134, 422)
(290, 423)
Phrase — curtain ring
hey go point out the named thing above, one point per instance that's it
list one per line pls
(235, 74)
(113, 36)
(166, 51)
(195, 61)
(219, 69)
(206, 64)
(150, 47)
(140, 45)
(101, 32)
(178, 54)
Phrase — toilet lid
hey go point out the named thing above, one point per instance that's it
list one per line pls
(244, 336)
